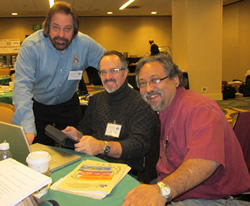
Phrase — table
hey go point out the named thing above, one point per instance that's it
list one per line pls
(4, 79)
(93, 89)
(64, 199)
(6, 97)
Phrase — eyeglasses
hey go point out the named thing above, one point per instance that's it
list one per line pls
(154, 82)
(111, 71)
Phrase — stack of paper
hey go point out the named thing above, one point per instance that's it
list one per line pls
(92, 179)
(18, 181)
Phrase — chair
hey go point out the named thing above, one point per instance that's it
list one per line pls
(12, 76)
(7, 112)
(93, 76)
(4, 71)
(151, 159)
(132, 81)
(242, 130)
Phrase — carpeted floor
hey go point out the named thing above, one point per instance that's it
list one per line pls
(232, 106)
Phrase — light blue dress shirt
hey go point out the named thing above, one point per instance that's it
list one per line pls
(41, 72)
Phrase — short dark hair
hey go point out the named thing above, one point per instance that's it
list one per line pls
(166, 61)
(60, 7)
(122, 58)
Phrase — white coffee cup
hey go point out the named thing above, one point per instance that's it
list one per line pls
(39, 161)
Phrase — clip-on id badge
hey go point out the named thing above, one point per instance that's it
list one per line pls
(75, 75)
(113, 130)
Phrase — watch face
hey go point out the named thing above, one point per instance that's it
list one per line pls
(165, 191)
(106, 150)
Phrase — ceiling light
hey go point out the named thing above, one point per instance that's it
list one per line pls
(153, 12)
(109, 12)
(51, 3)
(126, 4)
(14, 14)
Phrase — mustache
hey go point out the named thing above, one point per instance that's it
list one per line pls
(109, 80)
(148, 94)
(60, 38)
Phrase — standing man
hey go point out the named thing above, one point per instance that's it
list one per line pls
(48, 69)
(154, 49)
(118, 126)
(201, 161)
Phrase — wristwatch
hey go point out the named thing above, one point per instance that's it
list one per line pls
(106, 148)
(165, 191)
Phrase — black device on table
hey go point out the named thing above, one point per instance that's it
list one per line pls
(60, 137)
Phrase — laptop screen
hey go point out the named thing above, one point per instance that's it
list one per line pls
(15, 136)
(20, 148)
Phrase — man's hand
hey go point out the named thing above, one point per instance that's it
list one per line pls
(73, 132)
(144, 195)
(30, 137)
(89, 145)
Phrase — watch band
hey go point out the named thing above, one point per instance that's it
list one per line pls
(106, 148)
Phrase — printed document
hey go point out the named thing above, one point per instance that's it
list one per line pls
(17, 181)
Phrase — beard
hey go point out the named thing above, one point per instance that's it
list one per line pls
(109, 88)
(60, 43)
(155, 105)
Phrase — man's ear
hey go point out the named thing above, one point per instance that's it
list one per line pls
(126, 72)
(177, 81)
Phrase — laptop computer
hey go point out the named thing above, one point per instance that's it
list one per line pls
(19, 147)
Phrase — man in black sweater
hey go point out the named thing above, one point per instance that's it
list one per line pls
(118, 125)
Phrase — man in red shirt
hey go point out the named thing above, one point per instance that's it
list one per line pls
(201, 161)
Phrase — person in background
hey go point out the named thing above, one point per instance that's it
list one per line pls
(47, 72)
(118, 125)
(154, 49)
(201, 161)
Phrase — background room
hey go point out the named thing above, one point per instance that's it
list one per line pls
(130, 34)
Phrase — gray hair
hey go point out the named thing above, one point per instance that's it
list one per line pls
(122, 58)
(166, 61)
(60, 7)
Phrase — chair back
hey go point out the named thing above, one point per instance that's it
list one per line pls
(151, 159)
(242, 131)
(12, 76)
(7, 112)
(4, 71)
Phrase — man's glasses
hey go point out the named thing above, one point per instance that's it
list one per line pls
(111, 71)
(154, 82)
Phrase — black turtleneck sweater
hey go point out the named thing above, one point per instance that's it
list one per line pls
(125, 107)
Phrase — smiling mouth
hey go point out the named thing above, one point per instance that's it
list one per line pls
(110, 82)
(152, 96)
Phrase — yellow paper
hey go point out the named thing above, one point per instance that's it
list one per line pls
(92, 179)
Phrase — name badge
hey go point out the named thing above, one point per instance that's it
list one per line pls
(113, 130)
(75, 75)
